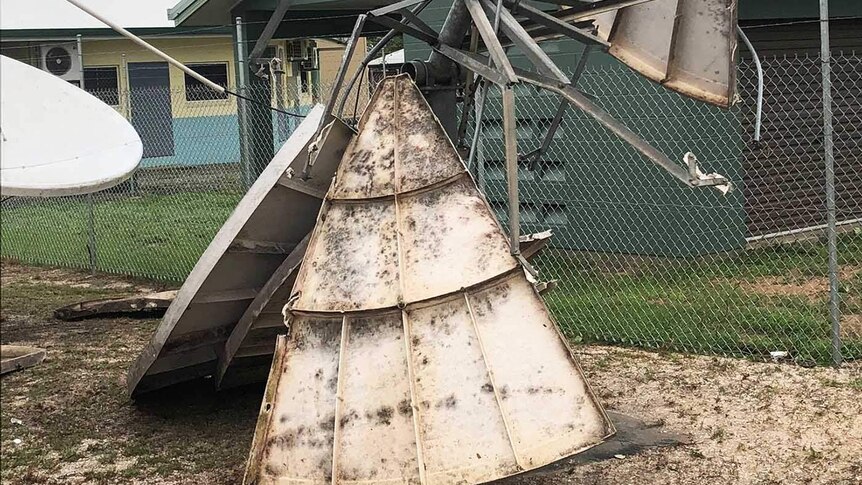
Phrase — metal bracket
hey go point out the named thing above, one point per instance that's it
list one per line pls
(382, 11)
(516, 33)
(330, 103)
(428, 38)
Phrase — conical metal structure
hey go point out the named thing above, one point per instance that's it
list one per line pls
(418, 351)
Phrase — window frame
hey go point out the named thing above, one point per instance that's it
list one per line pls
(116, 79)
(213, 96)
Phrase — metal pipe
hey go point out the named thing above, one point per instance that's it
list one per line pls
(240, 58)
(269, 29)
(277, 67)
(364, 64)
(510, 136)
(126, 107)
(477, 129)
(481, 93)
(137, 40)
(470, 87)
(79, 46)
(342, 70)
(802, 231)
(455, 27)
(313, 149)
(759, 67)
(124, 66)
(831, 237)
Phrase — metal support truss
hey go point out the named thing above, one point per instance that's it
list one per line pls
(555, 24)
(372, 53)
(269, 30)
(313, 149)
(536, 155)
(579, 100)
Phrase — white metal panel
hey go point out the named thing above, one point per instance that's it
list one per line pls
(551, 410)
(687, 45)
(457, 406)
(451, 227)
(377, 413)
(704, 52)
(298, 448)
(641, 37)
(366, 169)
(352, 261)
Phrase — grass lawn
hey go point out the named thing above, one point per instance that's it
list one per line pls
(748, 303)
(153, 236)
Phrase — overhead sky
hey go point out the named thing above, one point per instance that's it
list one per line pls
(60, 14)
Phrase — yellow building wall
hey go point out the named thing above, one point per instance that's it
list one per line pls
(188, 50)
(330, 54)
(217, 49)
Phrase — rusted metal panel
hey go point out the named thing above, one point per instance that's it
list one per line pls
(152, 304)
(689, 46)
(418, 350)
(17, 357)
(264, 231)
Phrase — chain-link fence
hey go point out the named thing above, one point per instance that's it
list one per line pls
(640, 259)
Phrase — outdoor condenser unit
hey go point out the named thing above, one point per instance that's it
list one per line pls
(310, 63)
(61, 60)
(297, 50)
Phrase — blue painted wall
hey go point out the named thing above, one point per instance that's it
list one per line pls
(211, 140)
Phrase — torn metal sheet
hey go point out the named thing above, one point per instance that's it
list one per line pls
(17, 357)
(152, 304)
(418, 350)
(265, 230)
(688, 46)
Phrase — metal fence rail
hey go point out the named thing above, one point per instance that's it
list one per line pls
(640, 259)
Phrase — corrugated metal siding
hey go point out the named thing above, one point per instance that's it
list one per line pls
(784, 174)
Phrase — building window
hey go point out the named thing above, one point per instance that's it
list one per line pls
(197, 91)
(101, 82)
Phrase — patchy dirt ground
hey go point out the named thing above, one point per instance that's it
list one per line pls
(69, 421)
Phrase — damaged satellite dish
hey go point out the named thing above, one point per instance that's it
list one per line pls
(57, 139)
(417, 351)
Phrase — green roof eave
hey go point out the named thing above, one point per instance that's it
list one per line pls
(22, 34)
(184, 9)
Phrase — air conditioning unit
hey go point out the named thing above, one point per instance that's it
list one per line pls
(297, 50)
(62, 60)
(311, 61)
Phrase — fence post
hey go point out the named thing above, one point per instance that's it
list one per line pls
(831, 238)
(91, 230)
(126, 108)
(242, 106)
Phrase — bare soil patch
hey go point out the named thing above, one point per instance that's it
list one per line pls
(851, 326)
(750, 423)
